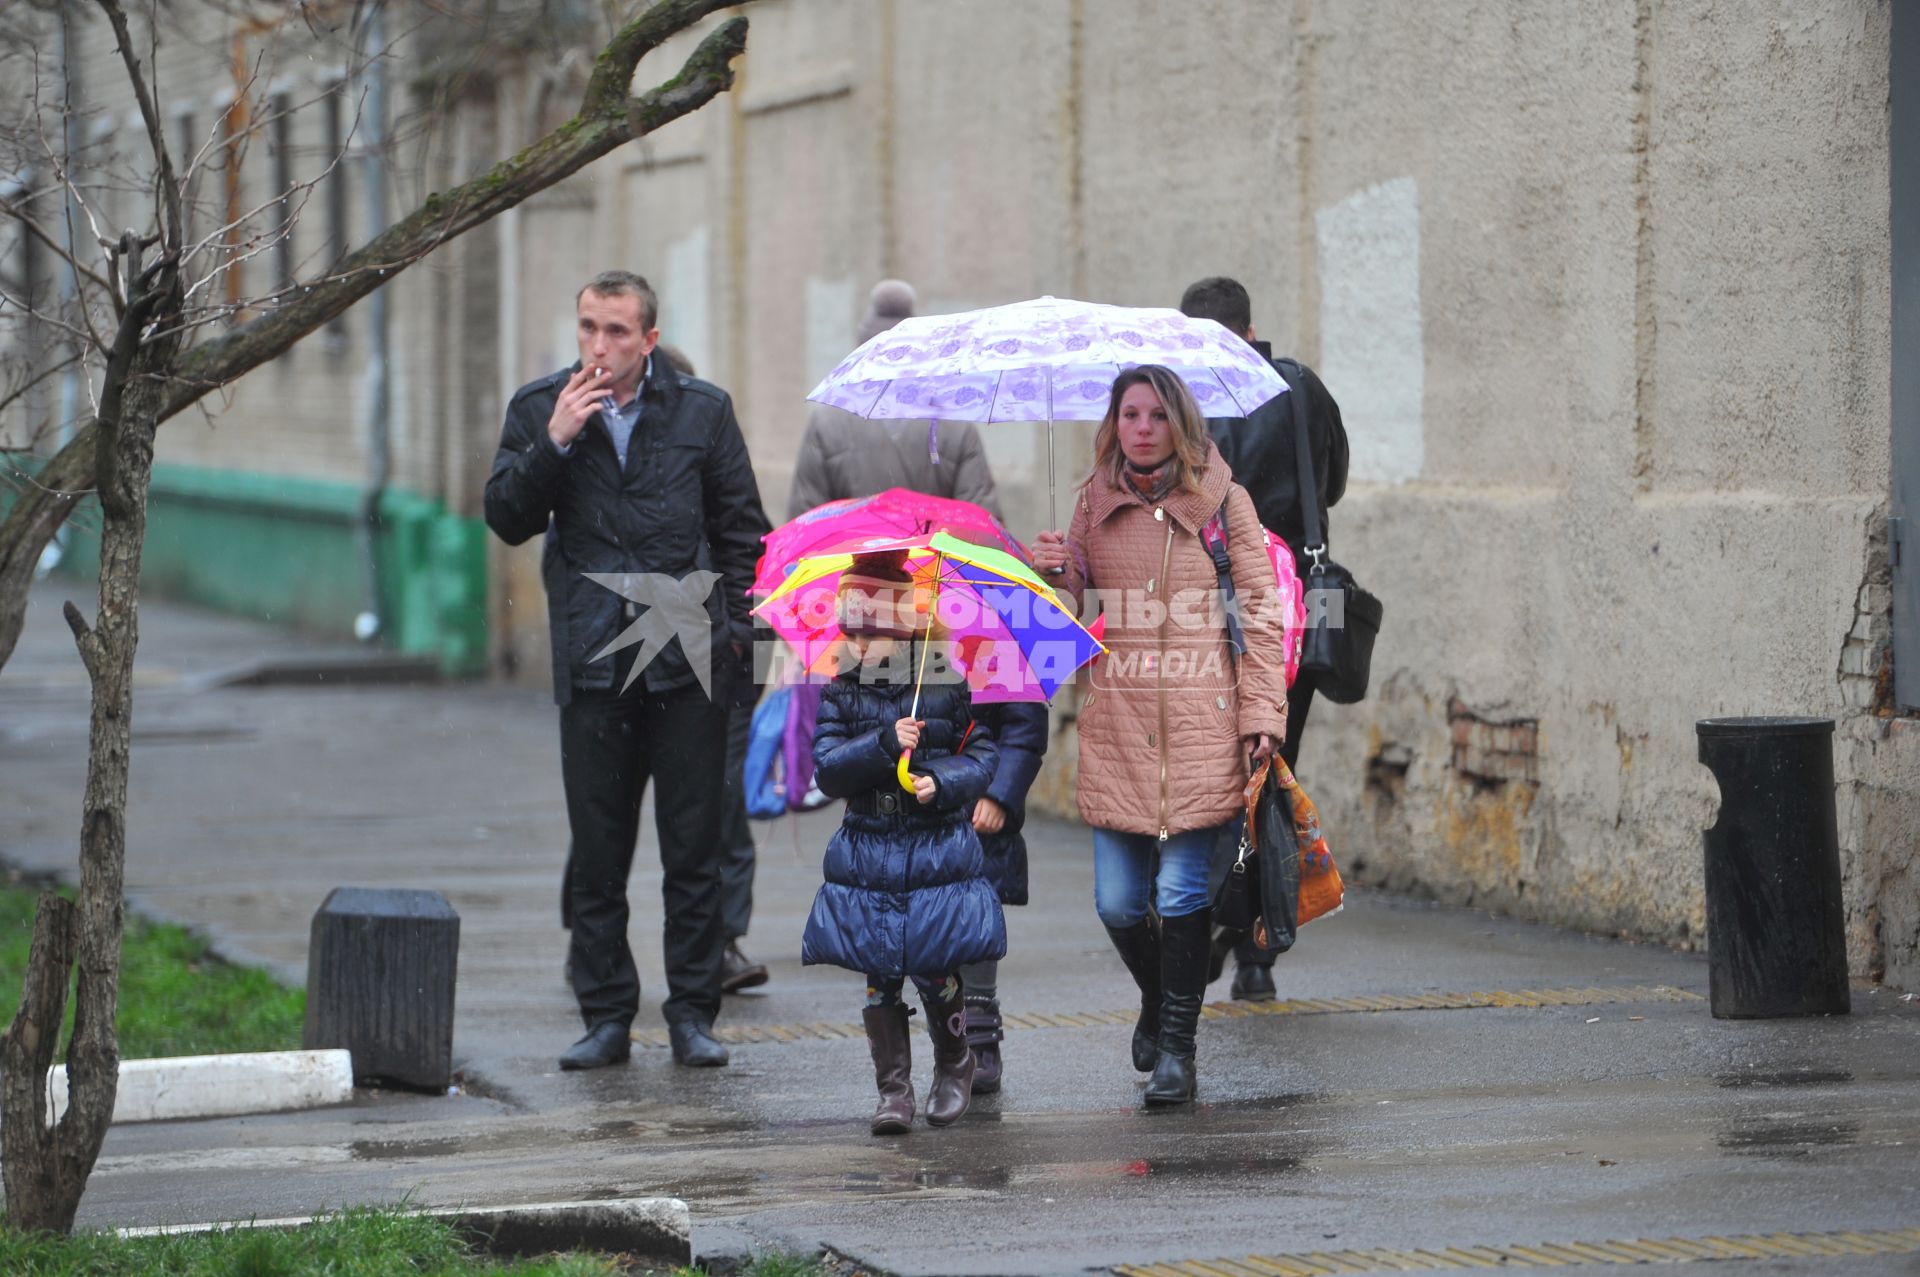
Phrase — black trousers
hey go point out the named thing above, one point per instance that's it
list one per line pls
(736, 836)
(738, 855)
(1299, 703)
(610, 747)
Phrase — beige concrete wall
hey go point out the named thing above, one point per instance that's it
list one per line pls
(1603, 291)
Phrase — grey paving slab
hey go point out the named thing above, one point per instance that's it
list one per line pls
(1352, 1129)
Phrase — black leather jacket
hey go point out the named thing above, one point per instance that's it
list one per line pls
(685, 501)
(1260, 451)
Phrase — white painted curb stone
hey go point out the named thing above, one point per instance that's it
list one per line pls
(187, 1086)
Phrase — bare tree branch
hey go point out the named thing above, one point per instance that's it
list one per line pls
(609, 118)
(18, 213)
(569, 148)
(156, 134)
(207, 243)
(20, 391)
(27, 308)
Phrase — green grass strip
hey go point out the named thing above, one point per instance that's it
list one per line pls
(357, 1242)
(176, 998)
(353, 1243)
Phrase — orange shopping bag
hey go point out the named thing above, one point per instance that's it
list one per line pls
(1321, 890)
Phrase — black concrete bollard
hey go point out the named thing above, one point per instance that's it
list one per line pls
(1776, 931)
(380, 971)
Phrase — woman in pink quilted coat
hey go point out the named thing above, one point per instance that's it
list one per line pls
(1173, 719)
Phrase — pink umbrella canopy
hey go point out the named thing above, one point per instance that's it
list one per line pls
(1010, 636)
(843, 526)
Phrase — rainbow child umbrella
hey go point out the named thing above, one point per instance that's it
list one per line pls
(1011, 635)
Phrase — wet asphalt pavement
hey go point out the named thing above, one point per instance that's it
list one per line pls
(1621, 1112)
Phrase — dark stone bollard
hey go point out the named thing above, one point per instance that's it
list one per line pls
(380, 970)
(1776, 931)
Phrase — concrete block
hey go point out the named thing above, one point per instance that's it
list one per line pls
(189, 1086)
(1856, 659)
(380, 983)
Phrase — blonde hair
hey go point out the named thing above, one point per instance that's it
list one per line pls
(1183, 415)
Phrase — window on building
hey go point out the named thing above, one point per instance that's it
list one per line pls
(233, 148)
(285, 265)
(333, 126)
(186, 145)
(22, 278)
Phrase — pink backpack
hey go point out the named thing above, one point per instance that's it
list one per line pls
(1289, 596)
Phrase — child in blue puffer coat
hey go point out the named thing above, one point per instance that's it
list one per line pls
(906, 895)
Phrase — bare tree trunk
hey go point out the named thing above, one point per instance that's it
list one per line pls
(608, 119)
(36, 1178)
(60, 1157)
(45, 502)
(148, 379)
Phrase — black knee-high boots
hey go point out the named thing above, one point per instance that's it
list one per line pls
(1139, 947)
(1184, 942)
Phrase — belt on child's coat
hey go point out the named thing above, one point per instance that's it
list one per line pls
(879, 802)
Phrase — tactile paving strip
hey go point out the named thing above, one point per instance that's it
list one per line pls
(1643, 1250)
(820, 1032)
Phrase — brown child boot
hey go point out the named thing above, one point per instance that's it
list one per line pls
(952, 1089)
(892, 1068)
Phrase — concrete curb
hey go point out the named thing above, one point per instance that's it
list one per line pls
(189, 1086)
(659, 1228)
(652, 1228)
(324, 669)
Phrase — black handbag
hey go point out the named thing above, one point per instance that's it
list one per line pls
(1261, 891)
(1342, 618)
(1237, 901)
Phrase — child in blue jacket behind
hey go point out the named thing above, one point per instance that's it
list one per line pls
(1020, 736)
(906, 896)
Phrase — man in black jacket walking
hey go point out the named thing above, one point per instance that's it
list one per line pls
(640, 478)
(1261, 452)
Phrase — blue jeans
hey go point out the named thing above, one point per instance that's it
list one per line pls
(1124, 882)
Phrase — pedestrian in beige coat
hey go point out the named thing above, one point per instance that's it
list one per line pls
(1173, 720)
(842, 455)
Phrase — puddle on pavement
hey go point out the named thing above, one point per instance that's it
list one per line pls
(1786, 1077)
(633, 1130)
(1254, 1105)
(1252, 1162)
(513, 1141)
(718, 1191)
(1777, 1139)
(994, 1178)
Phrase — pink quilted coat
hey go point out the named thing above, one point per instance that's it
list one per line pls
(1167, 706)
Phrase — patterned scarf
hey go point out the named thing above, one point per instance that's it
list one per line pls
(1152, 485)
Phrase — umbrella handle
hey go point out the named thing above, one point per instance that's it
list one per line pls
(933, 607)
(1053, 499)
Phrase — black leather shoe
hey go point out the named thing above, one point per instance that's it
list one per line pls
(694, 1046)
(1224, 941)
(1253, 983)
(738, 971)
(604, 1044)
(1172, 1081)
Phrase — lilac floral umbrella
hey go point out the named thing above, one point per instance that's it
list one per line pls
(1043, 360)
